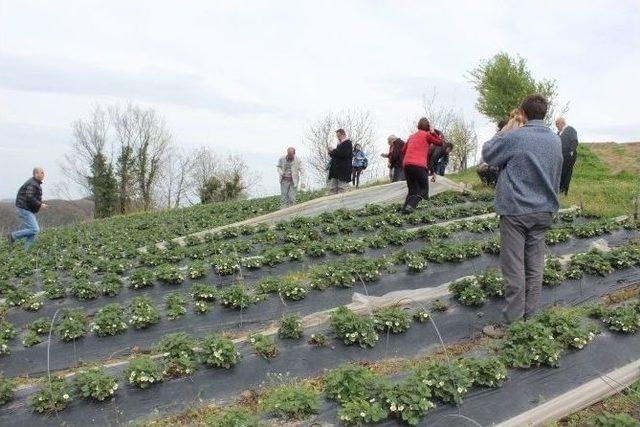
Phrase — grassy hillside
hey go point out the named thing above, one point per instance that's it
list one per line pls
(606, 178)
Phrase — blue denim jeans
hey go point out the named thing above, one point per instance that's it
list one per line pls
(30, 229)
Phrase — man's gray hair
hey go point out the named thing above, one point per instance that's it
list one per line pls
(37, 169)
(392, 138)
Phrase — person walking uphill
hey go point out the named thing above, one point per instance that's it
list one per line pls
(341, 158)
(28, 204)
(360, 163)
(569, 139)
(290, 171)
(530, 162)
(415, 161)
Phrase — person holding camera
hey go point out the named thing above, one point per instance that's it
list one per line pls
(530, 163)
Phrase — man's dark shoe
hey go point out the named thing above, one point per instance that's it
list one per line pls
(407, 210)
(493, 331)
(10, 239)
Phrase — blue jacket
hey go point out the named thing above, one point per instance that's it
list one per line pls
(530, 162)
(358, 159)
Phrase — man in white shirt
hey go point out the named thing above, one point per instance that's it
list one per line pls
(290, 172)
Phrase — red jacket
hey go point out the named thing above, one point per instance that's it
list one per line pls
(416, 150)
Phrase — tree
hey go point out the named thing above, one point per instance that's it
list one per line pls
(456, 129)
(174, 178)
(502, 82)
(104, 187)
(321, 135)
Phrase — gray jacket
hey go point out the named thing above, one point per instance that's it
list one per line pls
(530, 162)
(296, 169)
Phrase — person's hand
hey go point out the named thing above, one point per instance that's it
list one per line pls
(44, 207)
(433, 178)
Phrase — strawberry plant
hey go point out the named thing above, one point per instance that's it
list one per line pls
(409, 400)
(315, 249)
(290, 326)
(110, 285)
(492, 246)
(362, 411)
(201, 307)
(200, 292)
(142, 372)
(30, 339)
(391, 319)
(109, 320)
(175, 304)
(7, 330)
(467, 292)
(178, 353)
(6, 390)
(486, 372)
(219, 352)
(268, 285)
(71, 324)
(141, 278)
(236, 297)
(350, 382)
(234, 417)
(169, 274)
(557, 235)
(294, 402)
(552, 276)
(318, 340)
(252, 262)
(352, 328)
(625, 256)
(142, 313)
(491, 282)
(625, 319)
(415, 262)
(83, 289)
(439, 305)
(421, 316)
(226, 265)
(196, 270)
(567, 328)
(40, 326)
(54, 290)
(33, 303)
(53, 396)
(448, 381)
(263, 346)
(594, 262)
(95, 383)
(291, 289)
(531, 343)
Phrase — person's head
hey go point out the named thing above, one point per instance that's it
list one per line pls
(38, 173)
(448, 147)
(291, 152)
(516, 114)
(357, 147)
(391, 138)
(341, 135)
(502, 123)
(423, 124)
(560, 123)
(534, 107)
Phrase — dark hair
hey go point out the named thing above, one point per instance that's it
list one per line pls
(535, 107)
(423, 124)
(341, 131)
(448, 145)
(502, 123)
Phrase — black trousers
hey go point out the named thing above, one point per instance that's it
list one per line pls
(417, 183)
(567, 171)
(355, 176)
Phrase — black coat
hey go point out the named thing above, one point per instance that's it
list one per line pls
(395, 159)
(341, 158)
(569, 140)
(30, 196)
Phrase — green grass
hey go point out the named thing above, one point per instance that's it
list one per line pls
(596, 184)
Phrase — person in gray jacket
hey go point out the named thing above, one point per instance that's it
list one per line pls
(530, 162)
(569, 138)
(290, 172)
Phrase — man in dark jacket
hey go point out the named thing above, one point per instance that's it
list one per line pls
(569, 139)
(29, 203)
(439, 156)
(341, 163)
(395, 158)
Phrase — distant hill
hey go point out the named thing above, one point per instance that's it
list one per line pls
(61, 212)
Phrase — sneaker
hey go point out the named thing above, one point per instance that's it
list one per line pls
(493, 331)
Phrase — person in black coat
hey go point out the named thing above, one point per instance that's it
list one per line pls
(341, 163)
(439, 156)
(569, 139)
(28, 204)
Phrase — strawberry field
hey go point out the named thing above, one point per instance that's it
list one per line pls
(352, 316)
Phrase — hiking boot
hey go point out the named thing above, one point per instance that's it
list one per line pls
(493, 331)
(407, 210)
(10, 239)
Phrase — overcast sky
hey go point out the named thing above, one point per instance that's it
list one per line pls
(248, 77)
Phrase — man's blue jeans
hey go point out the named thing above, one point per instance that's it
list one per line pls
(30, 229)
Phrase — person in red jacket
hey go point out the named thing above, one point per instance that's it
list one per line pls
(415, 161)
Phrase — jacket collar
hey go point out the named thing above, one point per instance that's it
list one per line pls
(538, 123)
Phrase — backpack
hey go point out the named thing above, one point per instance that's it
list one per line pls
(365, 163)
